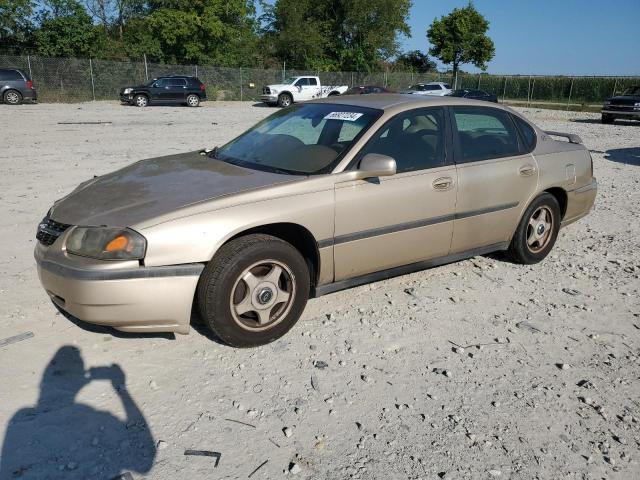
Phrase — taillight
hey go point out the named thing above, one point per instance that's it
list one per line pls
(202, 87)
(29, 84)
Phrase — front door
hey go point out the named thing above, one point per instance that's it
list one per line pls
(496, 179)
(306, 91)
(405, 218)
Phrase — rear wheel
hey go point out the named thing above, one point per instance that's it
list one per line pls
(254, 290)
(12, 97)
(140, 101)
(193, 100)
(537, 232)
(608, 119)
(285, 100)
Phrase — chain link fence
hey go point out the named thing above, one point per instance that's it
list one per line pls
(78, 80)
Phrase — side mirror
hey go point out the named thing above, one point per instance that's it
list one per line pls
(376, 165)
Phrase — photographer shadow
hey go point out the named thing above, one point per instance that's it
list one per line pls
(60, 438)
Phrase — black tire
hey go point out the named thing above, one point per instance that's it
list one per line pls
(222, 277)
(193, 100)
(12, 97)
(141, 100)
(520, 250)
(333, 94)
(607, 119)
(285, 100)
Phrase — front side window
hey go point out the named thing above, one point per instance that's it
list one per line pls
(414, 139)
(484, 133)
(161, 83)
(303, 82)
(306, 139)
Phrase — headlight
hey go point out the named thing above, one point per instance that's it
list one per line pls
(636, 106)
(107, 243)
(128, 90)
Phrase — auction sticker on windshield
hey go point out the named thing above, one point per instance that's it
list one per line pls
(348, 116)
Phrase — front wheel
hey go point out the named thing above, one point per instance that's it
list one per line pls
(285, 100)
(537, 232)
(254, 290)
(193, 100)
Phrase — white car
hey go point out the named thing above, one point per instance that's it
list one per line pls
(299, 89)
(439, 89)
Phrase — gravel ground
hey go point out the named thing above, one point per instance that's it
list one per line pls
(480, 369)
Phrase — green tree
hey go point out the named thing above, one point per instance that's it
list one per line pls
(415, 61)
(347, 34)
(460, 38)
(195, 31)
(15, 23)
(66, 30)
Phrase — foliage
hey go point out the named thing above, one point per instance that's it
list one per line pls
(460, 38)
(415, 61)
(15, 23)
(66, 30)
(330, 34)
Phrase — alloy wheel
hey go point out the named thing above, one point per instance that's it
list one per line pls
(262, 295)
(539, 230)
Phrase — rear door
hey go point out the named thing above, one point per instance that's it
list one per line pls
(405, 218)
(496, 180)
(176, 90)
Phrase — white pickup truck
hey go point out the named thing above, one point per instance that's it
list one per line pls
(299, 89)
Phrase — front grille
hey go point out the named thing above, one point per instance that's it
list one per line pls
(266, 90)
(49, 231)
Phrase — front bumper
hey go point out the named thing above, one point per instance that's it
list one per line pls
(272, 98)
(622, 113)
(128, 98)
(122, 295)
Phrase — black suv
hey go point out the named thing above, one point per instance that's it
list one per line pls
(625, 106)
(174, 89)
(16, 87)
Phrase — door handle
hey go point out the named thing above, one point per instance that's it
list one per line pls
(442, 184)
(527, 170)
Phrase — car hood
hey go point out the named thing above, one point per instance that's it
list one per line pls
(278, 86)
(149, 188)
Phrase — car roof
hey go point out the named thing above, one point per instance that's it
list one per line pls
(399, 102)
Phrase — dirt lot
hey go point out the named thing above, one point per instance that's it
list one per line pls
(547, 385)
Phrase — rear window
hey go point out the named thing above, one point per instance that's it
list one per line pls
(527, 133)
(10, 75)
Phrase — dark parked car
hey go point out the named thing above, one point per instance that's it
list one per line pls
(174, 89)
(16, 87)
(367, 90)
(625, 106)
(474, 95)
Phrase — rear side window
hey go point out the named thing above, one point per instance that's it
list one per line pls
(313, 82)
(432, 87)
(177, 82)
(10, 75)
(484, 133)
(528, 134)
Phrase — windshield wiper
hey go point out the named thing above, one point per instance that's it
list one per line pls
(211, 152)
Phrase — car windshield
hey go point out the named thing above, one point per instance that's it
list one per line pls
(632, 91)
(307, 139)
(289, 80)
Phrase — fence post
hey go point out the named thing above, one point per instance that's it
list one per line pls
(284, 71)
(529, 91)
(479, 78)
(240, 83)
(533, 86)
(504, 90)
(615, 85)
(352, 79)
(29, 63)
(570, 91)
(93, 85)
(146, 70)
(196, 70)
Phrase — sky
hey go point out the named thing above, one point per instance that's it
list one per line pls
(564, 37)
